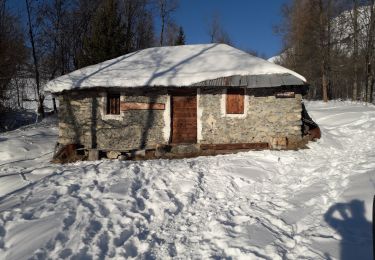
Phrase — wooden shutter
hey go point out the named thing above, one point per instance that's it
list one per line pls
(235, 101)
(113, 104)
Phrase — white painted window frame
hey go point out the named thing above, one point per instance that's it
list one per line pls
(103, 110)
(199, 117)
(167, 130)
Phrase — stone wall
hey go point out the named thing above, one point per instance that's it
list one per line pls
(276, 121)
(83, 120)
(267, 119)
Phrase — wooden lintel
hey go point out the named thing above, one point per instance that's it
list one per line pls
(141, 106)
(237, 146)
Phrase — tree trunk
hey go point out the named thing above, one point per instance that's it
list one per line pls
(18, 94)
(54, 105)
(369, 83)
(324, 85)
(131, 6)
(369, 74)
(40, 96)
(162, 30)
(355, 50)
(324, 37)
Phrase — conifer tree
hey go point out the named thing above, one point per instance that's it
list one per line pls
(181, 37)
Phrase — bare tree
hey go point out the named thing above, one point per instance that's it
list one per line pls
(312, 46)
(214, 27)
(166, 8)
(138, 22)
(12, 50)
(369, 56)
(171, 33)
(144, 30)
(216, 31)
(81, 17)
(55, 39)
(40, 95)
(325, 45)
(131, 11)
(355, 48)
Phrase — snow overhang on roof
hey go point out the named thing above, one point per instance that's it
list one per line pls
(179, 66)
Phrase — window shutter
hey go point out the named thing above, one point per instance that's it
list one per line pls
(235, 101)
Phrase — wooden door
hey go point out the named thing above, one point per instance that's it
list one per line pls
(184, 117)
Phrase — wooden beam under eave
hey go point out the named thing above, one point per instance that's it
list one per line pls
(124, 106)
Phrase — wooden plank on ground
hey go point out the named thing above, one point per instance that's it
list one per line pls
(237, 146)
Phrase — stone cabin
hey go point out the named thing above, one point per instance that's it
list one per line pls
(211, 95)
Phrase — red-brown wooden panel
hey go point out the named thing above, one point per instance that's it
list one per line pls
(235, 101)
(186, 113)
(141, 106)
(184, 118)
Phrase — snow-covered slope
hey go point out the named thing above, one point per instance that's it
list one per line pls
(305, 204)
(342, 27)
(168, 66)
(274, 59)
(23, 151)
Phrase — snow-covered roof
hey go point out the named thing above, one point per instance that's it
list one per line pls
(179, 66)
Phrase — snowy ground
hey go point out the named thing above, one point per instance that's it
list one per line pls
(306, 204)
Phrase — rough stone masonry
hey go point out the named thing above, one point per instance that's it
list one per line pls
(268, 119)
(82, 120)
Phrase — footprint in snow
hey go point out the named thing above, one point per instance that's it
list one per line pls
(62, 238)
(140, 204)
(69, 220)
(65, 253)
(172, 251)
(28, 215)
(145, 194)
(91, 231)
(53, 198)
(124, 236)
(104, 212)
(102, 243)
(135, 169)
(82, 255)
(130, 250)
(2, 235)
(73, 188)
(136, 185)
(2, 231)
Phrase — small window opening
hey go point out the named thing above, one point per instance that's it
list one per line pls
(235, 101)
(113, 104)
